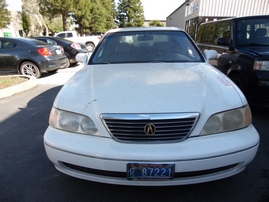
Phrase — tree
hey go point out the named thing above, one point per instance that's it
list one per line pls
(114, 12)
(156, 23)
(82, 15)
(36, 22)
(98, 19)
(4, 14)
(90, 15)
(54, 25)
(26, 22)
(130, 13)
(55, 8)
(94, 16)
(110, 15)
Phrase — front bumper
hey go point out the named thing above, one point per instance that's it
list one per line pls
(197, 159)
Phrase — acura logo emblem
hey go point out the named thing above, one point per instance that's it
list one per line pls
(150, 129)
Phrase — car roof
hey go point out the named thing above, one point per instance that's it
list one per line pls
(54, 38)
(131, 29)
(18, 38)
(30, 41)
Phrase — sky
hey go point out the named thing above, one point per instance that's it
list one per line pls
(160, 9)
(153, 9)
(14, 4)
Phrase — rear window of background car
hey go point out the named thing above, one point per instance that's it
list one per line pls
(223, 30)
(38, 42)
(8, 44)
(209, 33)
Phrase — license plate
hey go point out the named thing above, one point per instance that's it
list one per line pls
(150, 171)
(58, 52)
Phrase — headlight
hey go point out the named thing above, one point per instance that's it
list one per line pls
(72, 122)
(261, 65)
(228, 121)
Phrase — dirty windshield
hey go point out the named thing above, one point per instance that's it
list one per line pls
(146, 46)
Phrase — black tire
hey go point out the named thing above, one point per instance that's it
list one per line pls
(90, 46)
(239, 81)
(68, 60)
(29, 69)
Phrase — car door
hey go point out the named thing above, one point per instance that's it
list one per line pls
(8, 55)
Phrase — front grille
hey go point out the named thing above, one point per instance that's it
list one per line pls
(163, 127)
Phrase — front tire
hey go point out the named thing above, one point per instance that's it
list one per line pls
(29, 69)
(239, 81)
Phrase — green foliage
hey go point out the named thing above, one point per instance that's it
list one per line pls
(131, 13)
(97, 22)
(110, 14)
(26, 22)
(4, 14)
(54, 25)
(55, 8)
(82, 15)
(156, 23)
(93, 16)
(114, 12)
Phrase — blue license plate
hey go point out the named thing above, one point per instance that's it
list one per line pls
(150, 171)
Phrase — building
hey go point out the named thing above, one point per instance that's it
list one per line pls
(14, 29)
(194, 12)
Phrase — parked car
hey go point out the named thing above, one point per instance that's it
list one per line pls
(243, 47)
(71, 49)
(150, 112)
(89, 41)
(30, 57)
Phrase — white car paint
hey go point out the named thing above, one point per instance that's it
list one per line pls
(150, 88)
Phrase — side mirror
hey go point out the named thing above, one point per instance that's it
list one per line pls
(223, 41)
(82, 58)
(210, 55)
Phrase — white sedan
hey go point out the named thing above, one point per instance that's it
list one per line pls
(148, 110)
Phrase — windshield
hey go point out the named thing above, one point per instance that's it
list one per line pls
(253, 32)
(146, 46)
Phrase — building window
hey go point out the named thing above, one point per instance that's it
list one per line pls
(191, 27)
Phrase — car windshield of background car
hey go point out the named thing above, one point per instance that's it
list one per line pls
(253, 32)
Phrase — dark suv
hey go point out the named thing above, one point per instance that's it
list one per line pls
(243, 47)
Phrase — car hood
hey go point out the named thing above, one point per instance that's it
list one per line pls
(261, 51)
(149, 88)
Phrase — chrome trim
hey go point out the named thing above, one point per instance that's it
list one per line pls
(130, 128)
